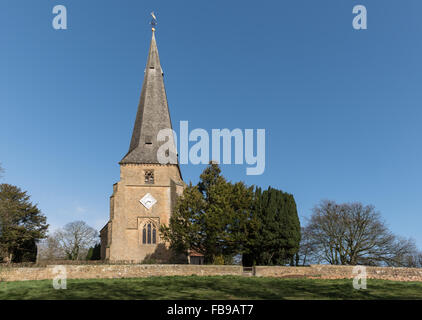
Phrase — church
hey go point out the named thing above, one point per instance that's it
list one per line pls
(145, 196)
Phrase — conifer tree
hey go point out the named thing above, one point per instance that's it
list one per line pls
(275, 236)
(21, 225)
(211, 218)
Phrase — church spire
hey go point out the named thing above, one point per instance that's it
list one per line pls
(153, 113)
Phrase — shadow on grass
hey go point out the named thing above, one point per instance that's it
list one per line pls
(210, 288)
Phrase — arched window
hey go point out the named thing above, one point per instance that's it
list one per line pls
(149, 233)
(154, 236)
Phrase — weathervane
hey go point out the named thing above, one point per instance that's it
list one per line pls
(153, 21)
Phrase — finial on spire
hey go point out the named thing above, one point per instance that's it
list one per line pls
(153, 21)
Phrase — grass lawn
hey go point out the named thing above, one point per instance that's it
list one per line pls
(221, 287)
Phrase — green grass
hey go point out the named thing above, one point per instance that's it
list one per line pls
(221, 287)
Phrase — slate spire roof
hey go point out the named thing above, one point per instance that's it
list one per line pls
(153, 113)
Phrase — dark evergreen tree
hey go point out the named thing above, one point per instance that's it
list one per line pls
(297, 259)
(21, 225)
(275, 236)
(26, 252)
(94, 253)
(186, 223)
(211, 218)
(220, 219)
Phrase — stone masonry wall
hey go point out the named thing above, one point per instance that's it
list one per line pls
(138, 270)
(339, 272)
(117, 271)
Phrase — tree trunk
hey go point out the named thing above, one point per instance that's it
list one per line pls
(9, 258)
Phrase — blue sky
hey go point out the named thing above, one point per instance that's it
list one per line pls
(341, 108)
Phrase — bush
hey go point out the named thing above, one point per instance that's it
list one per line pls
(218, 260)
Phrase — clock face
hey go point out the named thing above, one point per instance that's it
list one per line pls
(148, 201)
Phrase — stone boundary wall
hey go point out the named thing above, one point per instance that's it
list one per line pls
(117, 271)
(339, 272)
(147, 270)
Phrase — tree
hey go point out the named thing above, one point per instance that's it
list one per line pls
(307, 249)
(412, 260)
(94, 253)
(50, 249)
(27, 252)
(416, 260)
(354, 234)
(211, 218)
(275, 229)
(22, 225)
(76, 238)
(185, 228)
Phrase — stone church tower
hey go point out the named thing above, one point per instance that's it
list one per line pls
(145, 195)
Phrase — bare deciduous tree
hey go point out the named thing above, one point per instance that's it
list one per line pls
(413, 260)
(50, 249)
(351, 234)
(76, 238)
(308, 250)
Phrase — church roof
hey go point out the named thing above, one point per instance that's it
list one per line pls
(152, 116)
